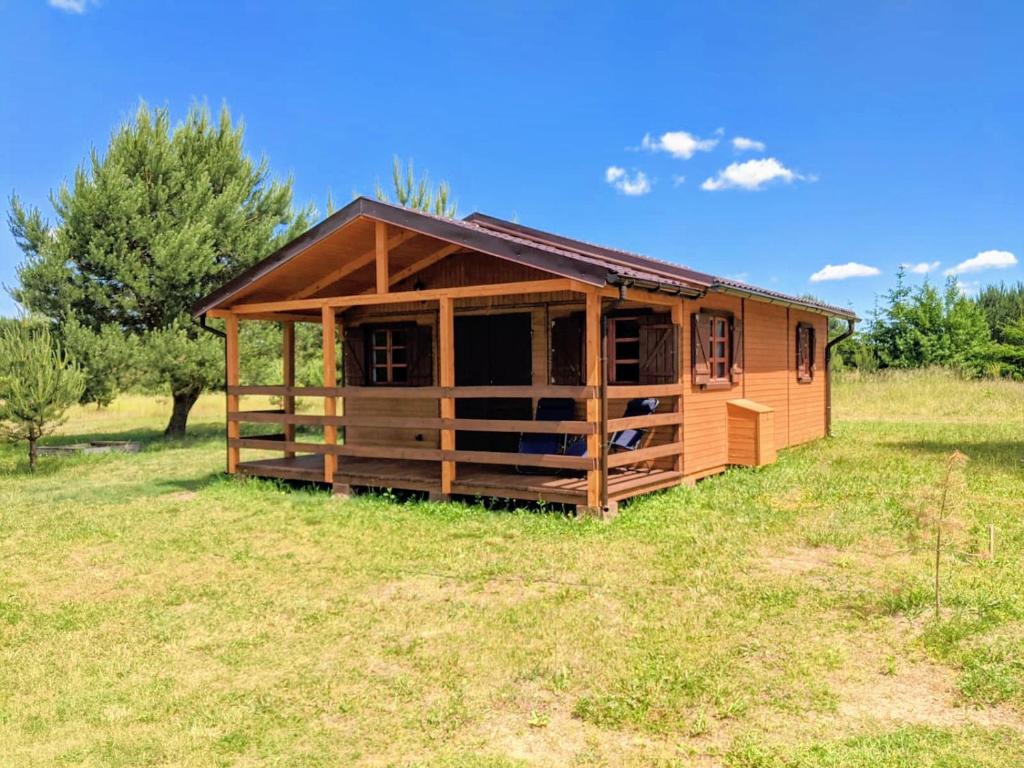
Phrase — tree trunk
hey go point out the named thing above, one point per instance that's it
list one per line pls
(32, 454)
(183, 402)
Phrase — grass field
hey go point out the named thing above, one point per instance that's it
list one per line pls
(154, 613)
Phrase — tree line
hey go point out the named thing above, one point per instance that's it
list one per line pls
(930, 325)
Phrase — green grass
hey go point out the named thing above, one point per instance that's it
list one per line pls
(154, 613)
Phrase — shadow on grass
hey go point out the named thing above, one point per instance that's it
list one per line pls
(1003, 453)
(149, 439)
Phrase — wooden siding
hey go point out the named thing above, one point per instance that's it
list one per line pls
(766, 375)
(807, 400)
(705, 421)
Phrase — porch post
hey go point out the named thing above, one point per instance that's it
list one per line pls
(595, 440)
(446, 349)
(231, 380)
(288, 369)
(677, 320)
(330, 380)
(381, 255)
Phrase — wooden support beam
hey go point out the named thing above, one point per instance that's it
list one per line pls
(677, 321)
(595, 441)
(643, 297)
(426, 261)
(552, 285)
(231, 379)
(288, 376)
(329, 328)
(380, 235)
(349, 267)
(446, 353)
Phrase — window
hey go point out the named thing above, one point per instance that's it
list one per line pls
(624, 350)
(805, 353)
(389, 356)
(717, 350)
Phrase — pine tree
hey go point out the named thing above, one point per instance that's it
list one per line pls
(38, 382)
(410, 193)
(161, 218)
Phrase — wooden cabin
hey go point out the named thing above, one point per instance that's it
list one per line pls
(441, 337)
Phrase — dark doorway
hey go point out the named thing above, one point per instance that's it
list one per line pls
(492, 350)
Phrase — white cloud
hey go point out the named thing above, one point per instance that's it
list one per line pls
(633, 186)
(969, 287)
(679, 144)
(752, 174)
(922, 267)
(843, 272)
(743, 144)
(678, 181)
(984, 260)
(70, 6)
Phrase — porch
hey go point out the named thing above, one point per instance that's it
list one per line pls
(473, 480)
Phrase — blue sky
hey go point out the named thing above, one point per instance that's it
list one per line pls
(891, 132)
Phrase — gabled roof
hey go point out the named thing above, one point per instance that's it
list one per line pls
(585, 262)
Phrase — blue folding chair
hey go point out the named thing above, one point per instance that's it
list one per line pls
(630, 439)
(625, 439)
(538, 443)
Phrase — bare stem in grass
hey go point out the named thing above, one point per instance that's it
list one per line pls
(950, 487)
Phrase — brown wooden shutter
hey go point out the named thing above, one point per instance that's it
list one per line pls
(811, 346)
(736, 369)
(659, 343)
(421, 356)
(567, 350)
(354, 357)
(699, 346)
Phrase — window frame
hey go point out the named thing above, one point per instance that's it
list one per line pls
(613, 350)
(389, 347)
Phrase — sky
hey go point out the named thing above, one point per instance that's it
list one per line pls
(807, 147)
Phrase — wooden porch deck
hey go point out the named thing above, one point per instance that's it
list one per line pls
(471, 479)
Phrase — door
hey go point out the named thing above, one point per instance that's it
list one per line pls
(492, 350)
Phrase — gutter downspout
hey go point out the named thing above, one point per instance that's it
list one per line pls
(828, 373)
(201, 322)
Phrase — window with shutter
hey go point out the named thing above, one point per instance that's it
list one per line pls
(717, 350)
(567, 350)
(805, 353)
(421, 356)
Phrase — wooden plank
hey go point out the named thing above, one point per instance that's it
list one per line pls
(595, 442)
(331, 451)
(362, 300)
(417, 393)
(231, 379)
(553, 390)
(288, 370)
(329, 338)
(446, 351)
(643, 454)
(550, 460)
(416, 422)
(348, 268)
(631, 391)
(277, 317)
(644, 422)
(380, 242)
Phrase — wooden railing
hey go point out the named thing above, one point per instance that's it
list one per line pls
(552, 461)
